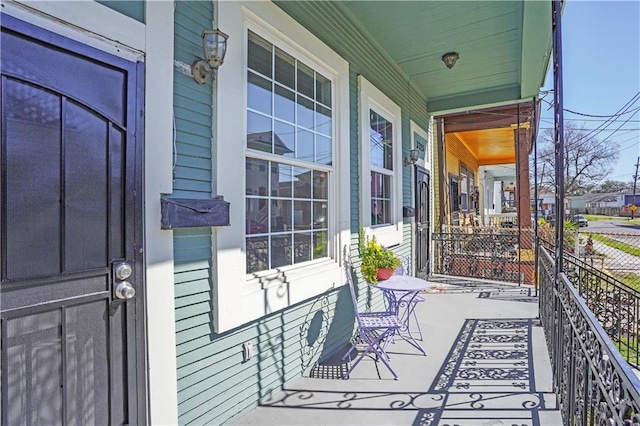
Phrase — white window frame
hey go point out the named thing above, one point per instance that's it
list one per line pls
(238, 297)
(371, 98)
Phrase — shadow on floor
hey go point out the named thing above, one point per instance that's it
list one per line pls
(486, 378)
(510, 295)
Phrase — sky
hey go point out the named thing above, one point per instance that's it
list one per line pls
(601, 63)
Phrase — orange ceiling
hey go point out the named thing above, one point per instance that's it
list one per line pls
(490, 146)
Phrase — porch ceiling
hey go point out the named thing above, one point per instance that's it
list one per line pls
(503, 47)
(489, 134)
(493, 146)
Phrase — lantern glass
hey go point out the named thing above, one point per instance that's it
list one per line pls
(214, 45)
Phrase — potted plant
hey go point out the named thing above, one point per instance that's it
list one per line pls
(378, 262)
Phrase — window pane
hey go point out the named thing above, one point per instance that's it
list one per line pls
(259, 93)
(323, 150)
(258, 132)
(319, 215)
(323, 90)
(380, 185)
(256, 215)
(320, 244)
(259, 54)
(302, 247)
(257, 177)
(301, 215)
(381, 141)
(323, 120)
(281, 178)
(305, 113)
(280, 215)
(284, 143)
(305, 80)
(285, 104)
(302, 183)
(320, 185)
(281, 251)
(304, 145)
(380, 199)
(257, 254)
(285, 69)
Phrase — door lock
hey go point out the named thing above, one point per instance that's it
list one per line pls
(123, 271)
(122, 289)
(125, 290)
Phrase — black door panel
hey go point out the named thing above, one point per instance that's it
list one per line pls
(68, 157)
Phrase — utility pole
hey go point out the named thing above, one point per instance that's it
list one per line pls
(635, 181)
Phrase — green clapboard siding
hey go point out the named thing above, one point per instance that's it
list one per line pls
(215, 384)
(192, 179)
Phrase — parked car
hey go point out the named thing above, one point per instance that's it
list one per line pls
(580, 220)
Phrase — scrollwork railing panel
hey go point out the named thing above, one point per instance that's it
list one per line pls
(594, 383)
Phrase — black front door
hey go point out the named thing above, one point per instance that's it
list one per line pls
(70, 226)
(423, 213)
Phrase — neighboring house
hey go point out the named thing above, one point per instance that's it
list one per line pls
(608, 200)
(305, 132)
(486, 169)
(547, 203)
(578, 203)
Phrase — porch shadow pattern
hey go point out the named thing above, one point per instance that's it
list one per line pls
(487, 376)
(510, 295)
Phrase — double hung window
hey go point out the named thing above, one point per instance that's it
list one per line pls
(289, 158)
(381, 160)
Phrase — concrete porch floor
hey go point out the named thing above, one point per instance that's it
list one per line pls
(486, 364)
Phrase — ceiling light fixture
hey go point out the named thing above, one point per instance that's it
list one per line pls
(450, 59)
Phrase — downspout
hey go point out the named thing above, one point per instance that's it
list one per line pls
(558, 122)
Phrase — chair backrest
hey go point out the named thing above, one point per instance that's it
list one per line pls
(405, 268)
(349, 272)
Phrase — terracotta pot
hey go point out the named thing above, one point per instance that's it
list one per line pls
(384, 273)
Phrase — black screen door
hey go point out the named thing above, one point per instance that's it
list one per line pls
(70, 172)
(423, 213)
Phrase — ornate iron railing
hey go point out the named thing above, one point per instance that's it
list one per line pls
(501, 254)
(615, 304)
(593, 382)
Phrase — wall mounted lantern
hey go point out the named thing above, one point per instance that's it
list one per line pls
(214, 47)
(413, 157)
(450, 59)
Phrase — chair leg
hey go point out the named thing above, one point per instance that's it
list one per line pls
(374, 345)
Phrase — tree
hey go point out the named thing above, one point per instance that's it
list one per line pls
(587, 160)
(613, 186)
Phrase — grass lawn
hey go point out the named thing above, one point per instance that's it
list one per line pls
(595, 218)
(630, 279)
(627, 248)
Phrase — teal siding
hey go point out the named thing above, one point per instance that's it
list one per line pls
(215, 384)
(132, 8)
(192, 179)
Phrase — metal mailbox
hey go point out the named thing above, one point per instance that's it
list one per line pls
(193, 213)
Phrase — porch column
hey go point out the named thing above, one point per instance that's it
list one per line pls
(523, 145)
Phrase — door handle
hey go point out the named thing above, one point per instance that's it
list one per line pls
(124, 290)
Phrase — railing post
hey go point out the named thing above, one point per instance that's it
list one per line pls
(558, 106)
